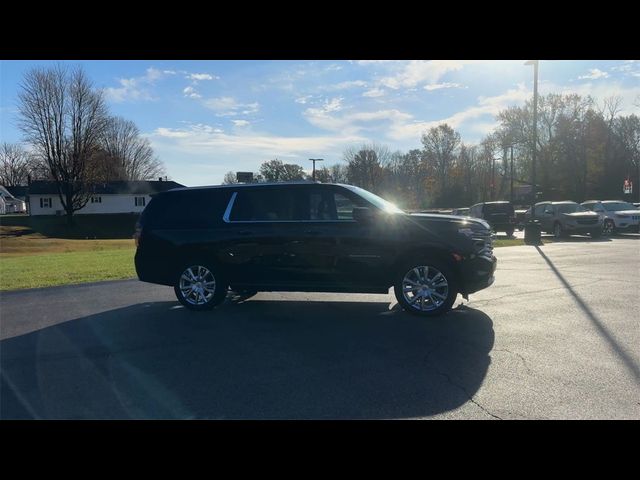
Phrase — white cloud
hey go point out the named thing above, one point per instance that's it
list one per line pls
(229, 151)
(594, 74)
(229, 106)
(197, 77)
(417, 72)
(438, 86)
(241, 123)
(373, 93)
(191, 92)
(136, 88)
(304, 99)
(486, 106)
(344, 85)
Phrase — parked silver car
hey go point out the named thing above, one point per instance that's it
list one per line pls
(616, 215)
(567, 218)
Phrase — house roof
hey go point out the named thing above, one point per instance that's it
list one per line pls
(18, 191)
(142, 187)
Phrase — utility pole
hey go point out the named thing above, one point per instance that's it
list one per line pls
(511, 176)
(314, 160)
(532, 233)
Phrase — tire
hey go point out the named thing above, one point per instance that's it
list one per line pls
(557, 231)
(608, 227)
(210, 286)
(425, 302)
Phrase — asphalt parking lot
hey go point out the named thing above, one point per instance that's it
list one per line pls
(556, 337)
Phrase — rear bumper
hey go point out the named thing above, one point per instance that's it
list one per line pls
(477, 274)
(152, 269)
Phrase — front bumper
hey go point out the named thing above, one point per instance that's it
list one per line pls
(477, 274)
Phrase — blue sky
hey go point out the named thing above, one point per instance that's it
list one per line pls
(205, 118)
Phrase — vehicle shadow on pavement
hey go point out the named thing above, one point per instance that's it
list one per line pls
(254, 359)
(624, 356)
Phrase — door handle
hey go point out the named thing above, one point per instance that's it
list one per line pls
(245, 232)
(313, 232)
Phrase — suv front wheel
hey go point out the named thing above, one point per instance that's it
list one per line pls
(199, 288)
(426, 288)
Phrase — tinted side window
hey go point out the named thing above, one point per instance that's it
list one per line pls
(264, 204)
(540, 209)
(186, 209)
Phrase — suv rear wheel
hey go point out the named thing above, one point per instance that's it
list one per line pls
(426, 288)
(199, 288)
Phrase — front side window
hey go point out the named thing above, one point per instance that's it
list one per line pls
(570, 208)
(140, 201)
(541, 208)
(379, 202)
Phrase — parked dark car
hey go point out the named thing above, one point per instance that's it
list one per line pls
(499, 215)
(461, 212)
(308, 237)
(567, 218)
(521, 215)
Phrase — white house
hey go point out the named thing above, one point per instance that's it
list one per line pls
(10, 203)
(109, 197)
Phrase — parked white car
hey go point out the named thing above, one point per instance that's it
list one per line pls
(617, 216)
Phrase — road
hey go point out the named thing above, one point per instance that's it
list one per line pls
(556, 337)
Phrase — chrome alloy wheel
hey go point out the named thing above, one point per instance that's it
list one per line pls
(608, 227)
(425, 288)
(197, 285)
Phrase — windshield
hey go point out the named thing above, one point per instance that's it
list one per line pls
(381, 203)
(498, 208)
(571, 208)
(617, 206)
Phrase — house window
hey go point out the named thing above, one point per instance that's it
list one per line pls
(45, 202)
(96, 199)
(140, 201)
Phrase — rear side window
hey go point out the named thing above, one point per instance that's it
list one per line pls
(265, 204)
(186, 209)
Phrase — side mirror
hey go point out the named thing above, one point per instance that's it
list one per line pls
(363, 214)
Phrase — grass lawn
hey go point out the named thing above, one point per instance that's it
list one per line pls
(43, 252)
(49, 269)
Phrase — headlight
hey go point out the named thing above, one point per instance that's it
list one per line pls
(466, 231)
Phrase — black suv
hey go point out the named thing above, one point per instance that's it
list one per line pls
(308, 237)
(499, 215)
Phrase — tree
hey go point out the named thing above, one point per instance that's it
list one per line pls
(365, 165)
(63, 118)
(15, 165)
(440, 147)
(230, 178)
(276, 171)
(125, 155)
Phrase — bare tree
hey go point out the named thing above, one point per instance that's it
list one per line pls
(440, 146)
(63, 117)
(365, 165)
(230, 178)
(125, 155)
(14, 165)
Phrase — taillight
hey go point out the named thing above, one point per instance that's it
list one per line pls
(138, 234)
